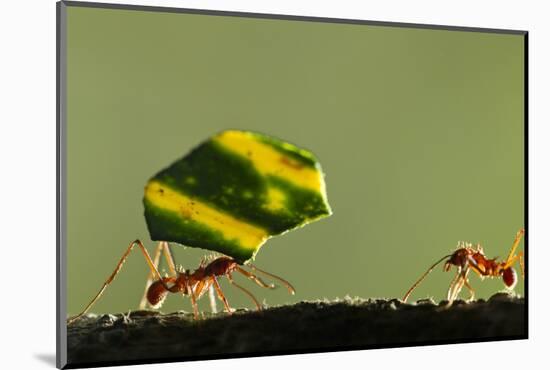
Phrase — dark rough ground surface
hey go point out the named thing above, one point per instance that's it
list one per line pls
(302, 327)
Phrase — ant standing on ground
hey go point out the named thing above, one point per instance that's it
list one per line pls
(185, 282)
(466, 258)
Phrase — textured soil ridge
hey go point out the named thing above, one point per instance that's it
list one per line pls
(349, 323)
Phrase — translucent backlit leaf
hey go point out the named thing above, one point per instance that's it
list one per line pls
(233, 192)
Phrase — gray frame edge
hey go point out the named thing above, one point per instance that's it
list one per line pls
(61, 185)
(226, 13)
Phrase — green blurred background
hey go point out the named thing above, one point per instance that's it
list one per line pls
(420, 134)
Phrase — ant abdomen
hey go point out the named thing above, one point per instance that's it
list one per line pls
(157, 292)
(510, 277)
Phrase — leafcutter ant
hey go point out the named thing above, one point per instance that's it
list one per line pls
(193, 284)
(467, 258)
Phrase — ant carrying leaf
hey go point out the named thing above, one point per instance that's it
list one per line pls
(184, 282)
(229, 195)
(467, 258)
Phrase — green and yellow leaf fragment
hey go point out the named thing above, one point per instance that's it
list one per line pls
(233, 192)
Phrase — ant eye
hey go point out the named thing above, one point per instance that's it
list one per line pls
(510, 278)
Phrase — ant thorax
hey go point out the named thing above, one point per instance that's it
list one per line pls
(485, 266)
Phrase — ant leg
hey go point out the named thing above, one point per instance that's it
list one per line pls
(258, 306)
(169, 259)
(165, 249)
(452, 289)
(193, 300)
(200, 287)
(513, 260)
(212, 297)
(460, 280)
(472, 292)
(156, 260)
(285, 283)
(463, 279)
(459, 286)
(519, 235)
(254, 278)
(521, 265)
(150, 263)
(220, 294)
(196, 293)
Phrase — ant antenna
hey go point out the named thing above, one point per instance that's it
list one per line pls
(285, 283)
(423, 276)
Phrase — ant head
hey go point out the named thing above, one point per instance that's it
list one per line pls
(458, 258)
(510, 277)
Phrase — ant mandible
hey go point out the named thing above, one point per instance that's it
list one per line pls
(185, 282)
(466, 258)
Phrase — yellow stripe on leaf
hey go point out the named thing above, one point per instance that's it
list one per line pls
(249, 236)
(269, 161)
